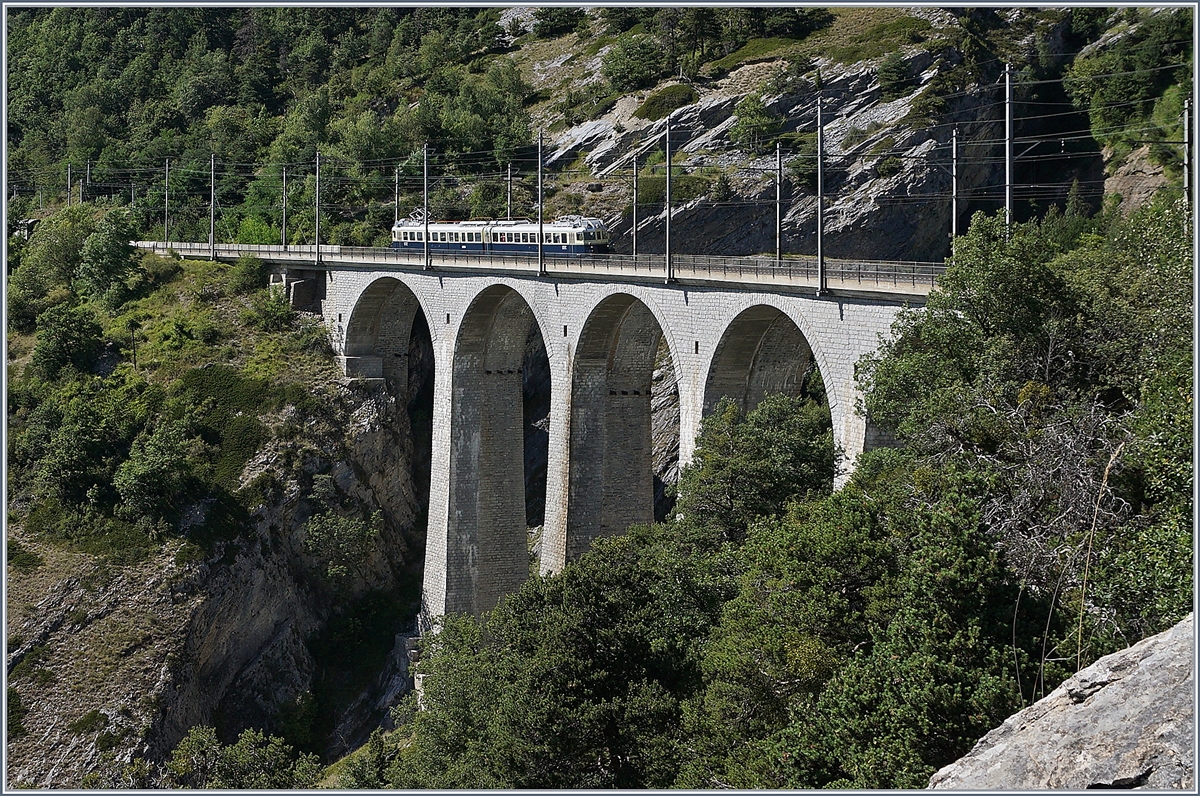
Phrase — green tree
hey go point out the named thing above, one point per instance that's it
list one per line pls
(755, 125)
(106, 261)
(551, 21)
(67, 336)
(894, 81)
(253, 762)
(154, 477)
(574, 681)
(633, 62)
(938, 671)
(750, 466)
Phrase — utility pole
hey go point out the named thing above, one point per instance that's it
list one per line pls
(1008, 148)
(317, 218)
(508, 206)
(396, 197)
(425, 205)
(1187, 148)
(778, 202)
(821, 287)
(88, 181)
(635, 204)
(670, 269)
(212, 206)
(283, 230)
(541, 216)
(954, 184)
(69, 185)
(166, 199)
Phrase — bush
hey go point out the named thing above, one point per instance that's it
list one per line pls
(341, 542)
(889, 166)
(21, 558)
(659, 104)
(270, 311)
(248, 274)
(90, 722)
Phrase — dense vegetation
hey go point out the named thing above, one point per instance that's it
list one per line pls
(1036, 516)
(117, 92)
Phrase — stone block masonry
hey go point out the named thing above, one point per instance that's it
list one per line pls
(600, 339)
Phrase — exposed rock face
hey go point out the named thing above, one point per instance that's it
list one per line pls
(171, 642)
(1126, 721)
(1135, 180)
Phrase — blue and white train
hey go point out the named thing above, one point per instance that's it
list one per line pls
(564, 236)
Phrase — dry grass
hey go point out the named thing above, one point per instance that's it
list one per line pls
(862, 33)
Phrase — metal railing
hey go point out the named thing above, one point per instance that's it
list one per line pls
(907, 277)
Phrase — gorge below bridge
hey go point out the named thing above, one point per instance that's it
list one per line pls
(736, 327)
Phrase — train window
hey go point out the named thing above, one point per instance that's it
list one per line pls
(443, 237)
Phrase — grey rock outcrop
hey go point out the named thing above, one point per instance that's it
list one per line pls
(1126, 721)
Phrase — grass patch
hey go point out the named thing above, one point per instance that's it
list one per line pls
(117, 541)
(859, 34)
(662, 102)
(684, 188)
(20, 557)
(886, 144)
(753, 50)
(16, 714)
(31, 664)
(91, 721)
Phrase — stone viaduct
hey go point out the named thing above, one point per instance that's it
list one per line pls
(732, 328)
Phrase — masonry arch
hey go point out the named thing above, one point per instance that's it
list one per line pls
(487, 554)
(761, 352)
(379, 333)
(611, 471)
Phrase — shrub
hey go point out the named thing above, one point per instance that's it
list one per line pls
(20, 557)
(889, 166)
(894, 81)
(270, 311)
(659, 104)
(248, 274)
(90, 722)
(341, 542)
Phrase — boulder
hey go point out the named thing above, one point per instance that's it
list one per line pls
(1126, 721)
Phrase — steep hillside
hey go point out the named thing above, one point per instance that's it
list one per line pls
(249, 544)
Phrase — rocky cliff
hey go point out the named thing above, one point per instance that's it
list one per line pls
(118, 662)
(1126, 721)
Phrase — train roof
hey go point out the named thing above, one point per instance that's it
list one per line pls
(584, 222)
